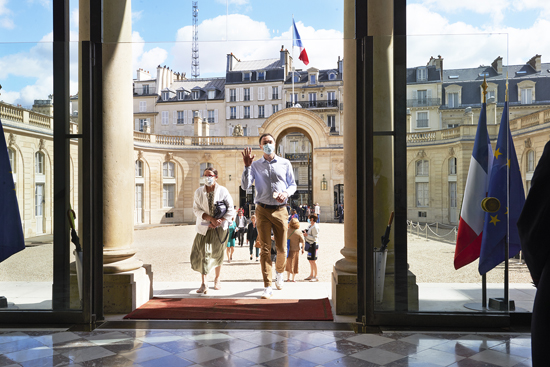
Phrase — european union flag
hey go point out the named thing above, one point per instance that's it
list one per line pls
(11, 231)
(496, 226)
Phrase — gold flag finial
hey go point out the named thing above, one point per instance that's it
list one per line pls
(484, 86)
(506, 93)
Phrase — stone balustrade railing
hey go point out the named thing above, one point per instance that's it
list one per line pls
(40, 120)
(9, 112)
(22, 115)
(421, 137)
(177, 139)
(207, 140)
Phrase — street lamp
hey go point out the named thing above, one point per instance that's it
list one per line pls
(324, 184)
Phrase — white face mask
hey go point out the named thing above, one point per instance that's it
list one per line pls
(269, 148)
(210, 180)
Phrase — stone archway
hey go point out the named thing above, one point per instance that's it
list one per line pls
(298, 120)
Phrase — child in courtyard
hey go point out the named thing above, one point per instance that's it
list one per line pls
(296, 240)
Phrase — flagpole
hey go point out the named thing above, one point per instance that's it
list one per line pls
(292, 69)
(484, 276)
(507, 235)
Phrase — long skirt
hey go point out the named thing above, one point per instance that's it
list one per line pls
(208, 251)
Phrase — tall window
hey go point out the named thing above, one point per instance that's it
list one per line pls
(246, 112)
(312, 99)
(139, 168)
(275, 108)
(211, 117)
(531, 161)
(168, 195)
(168, 169)
(452, 100)
(422, 119)
(142, 124)
(261, 111)
(233, 113)
(526, 95)
(452, 166)
(145, 88)
(275, 92)
(422, 194)
(421, 74)
(39, 163)
(181, 117)
(11, 154)
(422, 168)
(293, 98)
(261, 75)
(246, 77)
(247, 94)
(422, 97)
(312, 79)
(232, 95)
(331, 122)
(331, 96)
(164, 118)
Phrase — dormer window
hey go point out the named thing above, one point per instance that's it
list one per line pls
(421, 74)
(196, 94)
(312, 79)
(331, 76)
(181, 95)
(261, 75)
(165, 96)
(246, 77)
(211, 94)
(145, 89)
(296, 78)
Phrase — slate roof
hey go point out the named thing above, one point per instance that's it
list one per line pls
(205, 85)
(257, 65)
(323, 76)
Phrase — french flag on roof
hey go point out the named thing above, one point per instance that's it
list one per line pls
(470, 226)
(298, 42)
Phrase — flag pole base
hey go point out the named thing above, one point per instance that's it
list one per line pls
(481, 308)
(499, 304)
(3, 302)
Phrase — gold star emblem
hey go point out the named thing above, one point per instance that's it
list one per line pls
(506, 210)
(494, 220)
(508, 164)
(497, 153)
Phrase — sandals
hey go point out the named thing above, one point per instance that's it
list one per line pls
(314, 280)
(203, 289)
(217, 285)
(309, 278)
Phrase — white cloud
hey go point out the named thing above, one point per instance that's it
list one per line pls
(248, 39)
(465, 45)
(233, 2)
(5, 16)
(147, 60)
(44, 3)
(74, 17)
(136, 15)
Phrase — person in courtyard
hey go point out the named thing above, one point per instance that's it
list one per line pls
(231, 240)
(340, 213)
(308, 213)
(533, 225)
(311, 235)
(241, 226)
(251, 236)
(318, 212)
(296, 239)
(274, 181)
(209, 243)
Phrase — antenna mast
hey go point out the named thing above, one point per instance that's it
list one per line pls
(195, 68)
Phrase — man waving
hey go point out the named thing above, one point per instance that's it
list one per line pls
(274, 180)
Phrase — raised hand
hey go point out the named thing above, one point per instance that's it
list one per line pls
(248, 157)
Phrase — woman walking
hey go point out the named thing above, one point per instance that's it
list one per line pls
(251, 236)
(296, 240)
(231, 240)
(312, 235)
(209, 243)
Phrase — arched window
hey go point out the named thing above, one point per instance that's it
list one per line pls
(531, 161)
(452, 166)
(422, 168)
(139, 168)
(11, 154)
(39, 163)
(168, 169)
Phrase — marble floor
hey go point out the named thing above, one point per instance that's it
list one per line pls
(273, 348)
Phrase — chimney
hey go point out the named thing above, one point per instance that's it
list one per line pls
(283, 58)
(497, 65)
(158, 83)
(535, 63)
(229, 62)
(340, 66)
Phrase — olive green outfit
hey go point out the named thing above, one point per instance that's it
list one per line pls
(208, 251)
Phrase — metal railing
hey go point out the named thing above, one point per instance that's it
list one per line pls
(141, 91)
(423, 102)
(329, 103)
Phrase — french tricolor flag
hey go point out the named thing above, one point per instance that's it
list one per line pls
(470, 226)
(298, 42)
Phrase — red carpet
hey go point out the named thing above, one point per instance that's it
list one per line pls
(203, 308)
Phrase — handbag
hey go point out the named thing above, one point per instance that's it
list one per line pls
(220, 208)
(257, 244)
(307, 246)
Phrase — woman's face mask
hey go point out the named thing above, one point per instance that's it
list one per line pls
(210, 180)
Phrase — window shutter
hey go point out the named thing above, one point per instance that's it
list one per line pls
(256, 112)
(429, 93)
(227, 113)
(267, 110)
(251, 93)
(175, 117)
(280, 106)
(260, 93)
(136, 126)
(279, 92)
(241, 112)
(417, 75)
(263, 93)
(269, 92)
(227, 94)
(239, 94)
(216, 116)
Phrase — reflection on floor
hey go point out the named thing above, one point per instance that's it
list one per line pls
(178, 347)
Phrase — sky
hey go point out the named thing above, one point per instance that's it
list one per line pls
(467, 33)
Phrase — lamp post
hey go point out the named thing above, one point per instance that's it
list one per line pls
(324, 184)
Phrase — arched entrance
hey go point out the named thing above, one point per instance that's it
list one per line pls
(325, 157)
